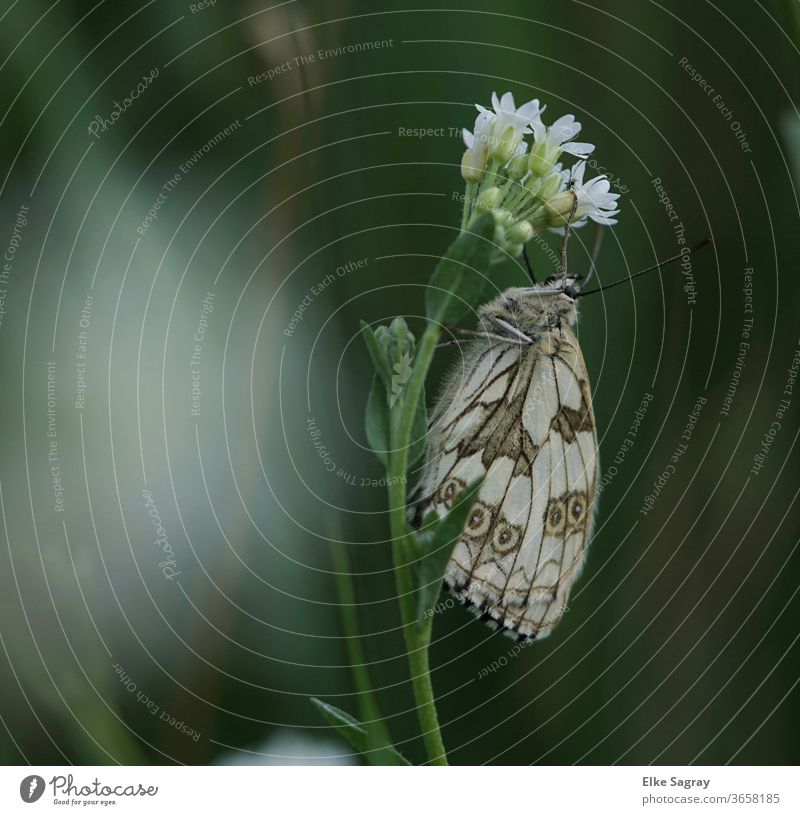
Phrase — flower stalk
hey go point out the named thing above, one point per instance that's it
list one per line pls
(417, 637)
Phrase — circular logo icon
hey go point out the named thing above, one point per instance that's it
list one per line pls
(31, 788)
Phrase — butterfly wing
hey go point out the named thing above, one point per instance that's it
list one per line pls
(521, 417)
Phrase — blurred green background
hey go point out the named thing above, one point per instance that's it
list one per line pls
(680, 644)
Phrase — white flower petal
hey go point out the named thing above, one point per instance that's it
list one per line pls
(539, 130)
(565, 128)
(507, 102)
(605, 220)
(530, 110)
(578, 148)
(522, 148)
(576, 172)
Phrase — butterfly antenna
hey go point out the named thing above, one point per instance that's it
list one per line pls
(658, 265)
(598, 240)
(528, 266)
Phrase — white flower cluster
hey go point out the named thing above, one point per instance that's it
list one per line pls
(525, 185)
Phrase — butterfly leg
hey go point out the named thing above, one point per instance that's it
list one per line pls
(447, 343)
(598, 240)
(528, 265)
(469, 332)
(566, 236)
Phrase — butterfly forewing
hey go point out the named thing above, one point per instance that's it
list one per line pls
(520, 416)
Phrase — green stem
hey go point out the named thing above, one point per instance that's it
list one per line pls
(417, 637)
(469, 195)
(489, 175)
(517, 198)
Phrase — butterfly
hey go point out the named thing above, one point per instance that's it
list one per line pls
(518, 414)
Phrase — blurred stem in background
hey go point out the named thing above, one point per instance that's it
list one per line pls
(368, 708)
(793, 20)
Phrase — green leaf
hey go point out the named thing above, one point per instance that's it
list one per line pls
(436, 540)
(358, 735)
(457, 282)
(377, 354)
(376, 420)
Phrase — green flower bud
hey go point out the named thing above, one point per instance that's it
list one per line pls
(505, 147)
(489, 198)
(517, 167)
(534, 184)
(550, 186)
(560, 208)
(503, 217)
(472, 163)
(395, 340)
(521, 232)
(499, 234)
(538, 219)
(541, 160)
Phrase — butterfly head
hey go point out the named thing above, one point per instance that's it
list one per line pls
(535, 309)
(568, 286)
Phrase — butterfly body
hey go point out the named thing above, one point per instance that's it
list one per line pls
(518, 414)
